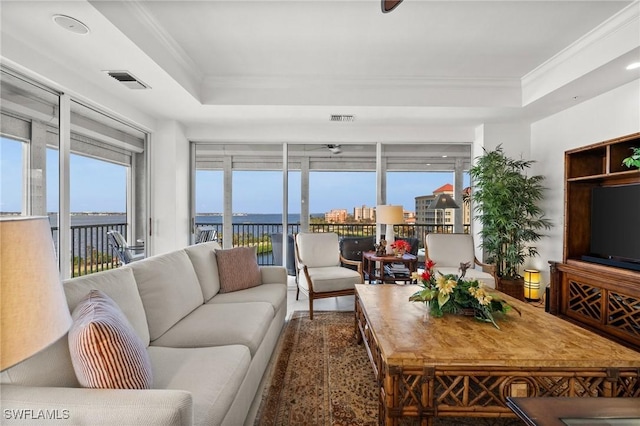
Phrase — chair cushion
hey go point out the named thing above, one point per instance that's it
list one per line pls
(318, 249)
(213, 376)
(105, 350)
(471, 273)
(449, 250)
(332, 278)
(238, 269)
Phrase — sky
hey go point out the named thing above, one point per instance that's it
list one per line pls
(98, 186)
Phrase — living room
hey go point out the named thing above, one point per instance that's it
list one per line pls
(538, 78)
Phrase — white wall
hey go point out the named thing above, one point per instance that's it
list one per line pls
(514, 139)
(169, 150)
(610, 115)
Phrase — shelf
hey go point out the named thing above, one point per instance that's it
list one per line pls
(602, 297)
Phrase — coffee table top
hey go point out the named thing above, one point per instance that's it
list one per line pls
(535, 339)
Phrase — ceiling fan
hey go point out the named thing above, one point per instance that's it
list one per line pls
(389, 5)
(334, 149)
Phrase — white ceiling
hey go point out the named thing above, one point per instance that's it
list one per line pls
(217, 64)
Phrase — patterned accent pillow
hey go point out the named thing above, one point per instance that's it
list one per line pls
(105, 350)
(238, 269)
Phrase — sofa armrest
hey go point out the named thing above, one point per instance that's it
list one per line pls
(24, 405)
(273, 274)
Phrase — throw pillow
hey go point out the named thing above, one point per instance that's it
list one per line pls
(238, 269)
(105, 350)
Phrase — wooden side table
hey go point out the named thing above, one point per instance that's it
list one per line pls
(376, 273)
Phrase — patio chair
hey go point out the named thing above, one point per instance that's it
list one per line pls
(319, 272)
(206, 235)
(351, 248)
(449, 250)
(125, 252)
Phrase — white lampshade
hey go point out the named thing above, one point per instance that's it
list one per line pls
(388, 214)
(34, 309)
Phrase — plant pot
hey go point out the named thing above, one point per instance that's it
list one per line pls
(512, 287)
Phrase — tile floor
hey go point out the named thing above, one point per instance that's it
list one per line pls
(343, 303)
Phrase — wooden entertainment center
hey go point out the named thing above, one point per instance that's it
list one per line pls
(600, 297)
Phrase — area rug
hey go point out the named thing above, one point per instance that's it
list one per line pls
(322, 377)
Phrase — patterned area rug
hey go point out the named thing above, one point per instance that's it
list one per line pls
(322, 377)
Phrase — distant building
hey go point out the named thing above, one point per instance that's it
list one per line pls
(364, 213)
(336, 216)
(440, 217)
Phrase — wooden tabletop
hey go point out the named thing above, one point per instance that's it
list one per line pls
(371, 255)
(551, 411)
(535, 339)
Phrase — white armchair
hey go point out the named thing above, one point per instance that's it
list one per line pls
(318, 268)
(449, 250)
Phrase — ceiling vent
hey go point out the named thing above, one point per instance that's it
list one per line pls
(126, 78)
(342, 117)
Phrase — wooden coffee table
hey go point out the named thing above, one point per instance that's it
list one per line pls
(457, 366)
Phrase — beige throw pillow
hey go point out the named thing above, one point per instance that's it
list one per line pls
(238, 269)
(105, 350)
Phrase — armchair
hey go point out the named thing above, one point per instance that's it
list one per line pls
(449, 250)
(125, 252)
(319, 271)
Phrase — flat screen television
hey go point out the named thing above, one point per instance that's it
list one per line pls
(615, 226)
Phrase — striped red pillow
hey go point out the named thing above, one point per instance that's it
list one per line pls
(105, 350)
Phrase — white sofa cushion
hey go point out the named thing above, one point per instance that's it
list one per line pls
(275, 294)
(169, 289)
(204, 263)
(218, 325)
(212, 375)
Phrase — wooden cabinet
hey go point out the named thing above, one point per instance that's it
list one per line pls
(603, 298)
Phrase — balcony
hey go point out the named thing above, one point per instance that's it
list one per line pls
(90, 251)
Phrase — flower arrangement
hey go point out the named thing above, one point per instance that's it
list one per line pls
(448, 293)
(401, 246)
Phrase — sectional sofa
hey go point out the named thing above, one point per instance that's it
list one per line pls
(208, 349)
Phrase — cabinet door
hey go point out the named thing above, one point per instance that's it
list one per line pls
(583, 300)
(623, 316)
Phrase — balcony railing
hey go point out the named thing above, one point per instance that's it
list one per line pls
(246, 234)
(91, 252)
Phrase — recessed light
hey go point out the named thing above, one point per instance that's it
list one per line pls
(633, 66)
(444, 156)
(71, 24)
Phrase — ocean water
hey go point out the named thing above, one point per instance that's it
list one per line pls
(111, 218)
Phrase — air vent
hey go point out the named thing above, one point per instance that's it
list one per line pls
(342, 117)
(126, 78)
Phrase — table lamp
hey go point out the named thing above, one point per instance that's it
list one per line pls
(34, 313)
(389, 215)
(532, 284)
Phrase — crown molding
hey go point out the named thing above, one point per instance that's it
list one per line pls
(625, 22)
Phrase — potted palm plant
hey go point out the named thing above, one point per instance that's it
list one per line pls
(506, 203)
